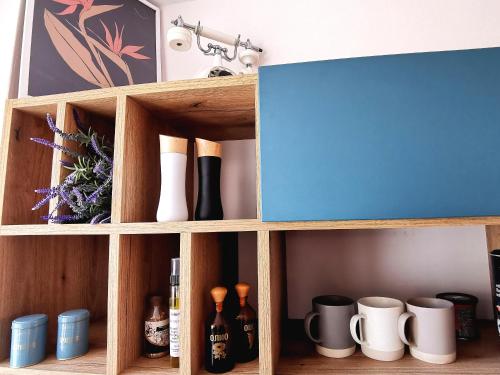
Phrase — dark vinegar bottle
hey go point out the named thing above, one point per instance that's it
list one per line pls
(218, 355)
(245, 334)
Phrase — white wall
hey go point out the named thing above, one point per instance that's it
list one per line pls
(400, 263)
(338, 28)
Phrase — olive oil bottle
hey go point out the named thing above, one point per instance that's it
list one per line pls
(246, 338)
(218, 337)
(174, 313)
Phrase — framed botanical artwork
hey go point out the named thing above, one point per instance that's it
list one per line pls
(73, 45)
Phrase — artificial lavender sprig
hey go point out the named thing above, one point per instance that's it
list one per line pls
(45, 200)
(92, 198)
(45, 190)
(78, 122)
(56, 146)
(98, 150)
(56, 130)
(103, 217)
(66, 164)
(86, 191)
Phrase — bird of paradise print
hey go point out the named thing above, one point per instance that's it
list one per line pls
(87, 60)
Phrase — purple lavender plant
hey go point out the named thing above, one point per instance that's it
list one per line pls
(87, 189)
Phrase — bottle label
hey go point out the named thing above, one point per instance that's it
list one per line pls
(249, 330)
(156, 333)
(175, 315)
(219, 345)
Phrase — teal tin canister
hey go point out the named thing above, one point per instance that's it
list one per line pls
(72, 334)
(29, 335)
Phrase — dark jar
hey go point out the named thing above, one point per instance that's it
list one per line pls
(465, 314)
(156, 337)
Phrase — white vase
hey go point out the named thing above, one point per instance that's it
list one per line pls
(173, 156)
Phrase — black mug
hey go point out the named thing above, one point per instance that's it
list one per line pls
(495, 268)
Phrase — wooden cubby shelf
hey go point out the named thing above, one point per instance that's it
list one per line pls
(110, 269)
(294, 353)
(50, 275)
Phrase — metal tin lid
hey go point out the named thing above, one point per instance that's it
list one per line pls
(459, 298)
(73, 316)
(29, 321)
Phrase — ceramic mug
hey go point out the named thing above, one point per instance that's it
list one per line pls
(333, 313)
(378, 328)
(431, 334)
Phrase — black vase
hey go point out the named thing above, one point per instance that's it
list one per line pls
(209, 205)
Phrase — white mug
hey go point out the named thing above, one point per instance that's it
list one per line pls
(378, 327)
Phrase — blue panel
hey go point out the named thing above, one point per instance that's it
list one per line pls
(403, 136)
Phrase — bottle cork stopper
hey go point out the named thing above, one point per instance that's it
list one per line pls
(173, 144)
(208, 148)
(242, 289)
(218, 294)
(156, 300)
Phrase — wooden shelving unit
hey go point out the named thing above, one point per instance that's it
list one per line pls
(111, 268)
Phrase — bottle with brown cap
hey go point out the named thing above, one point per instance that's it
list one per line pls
(218, 338)
(172, 205)
(209, 205)
(245, 334)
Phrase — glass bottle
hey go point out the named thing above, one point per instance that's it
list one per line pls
(174, 313)
(245, 334)
(156, 329)
(218, 355)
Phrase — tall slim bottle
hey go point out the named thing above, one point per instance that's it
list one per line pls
(246, 338)
(173, 158)
(209, 205)
(218, 338)
(174, 313)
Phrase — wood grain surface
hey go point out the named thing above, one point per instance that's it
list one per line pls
(299, 357)
(28, 167)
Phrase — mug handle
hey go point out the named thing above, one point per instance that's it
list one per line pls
(403, 319)
(307, 325)
(354, 322)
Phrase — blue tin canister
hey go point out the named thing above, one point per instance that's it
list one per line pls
(29, 336)
(72, 334)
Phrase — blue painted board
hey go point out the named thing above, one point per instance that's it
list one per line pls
(387, 137)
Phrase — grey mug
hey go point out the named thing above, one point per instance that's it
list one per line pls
(429, 329)
(334, 314)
